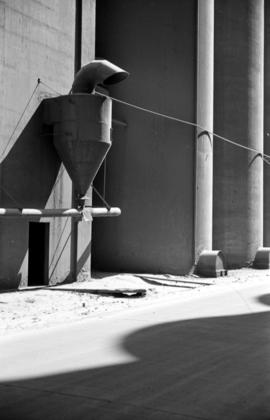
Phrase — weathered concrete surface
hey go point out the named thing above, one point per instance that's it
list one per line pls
(205, 358)
(37, 41)
(238, 105)
(151, 164)
(28, 174)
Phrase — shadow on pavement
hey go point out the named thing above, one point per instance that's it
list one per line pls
(265, 299)
(209, 368)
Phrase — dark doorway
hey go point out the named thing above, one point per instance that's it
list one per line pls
(38, 260)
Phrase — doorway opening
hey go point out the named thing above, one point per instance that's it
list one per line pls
(38, 253)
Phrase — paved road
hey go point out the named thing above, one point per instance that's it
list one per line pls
(204, 358)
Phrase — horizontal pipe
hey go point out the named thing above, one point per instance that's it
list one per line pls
(29, 213)
(4, 212)
(103, 212)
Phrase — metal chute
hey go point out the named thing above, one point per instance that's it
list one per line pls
(97, 72)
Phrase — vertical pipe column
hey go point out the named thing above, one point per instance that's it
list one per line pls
(238, 174)
(204, 141)
(267, 125)
(77, 66)
(78, 36)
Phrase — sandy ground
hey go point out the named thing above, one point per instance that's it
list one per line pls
(35, 308)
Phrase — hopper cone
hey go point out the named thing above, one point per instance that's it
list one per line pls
(82, 128)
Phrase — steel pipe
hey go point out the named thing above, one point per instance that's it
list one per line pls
(204, 141)
(29, 213)
(97, 72)
(103, 212)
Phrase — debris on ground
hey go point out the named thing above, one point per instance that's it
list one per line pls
(128, 292)
(105, 293)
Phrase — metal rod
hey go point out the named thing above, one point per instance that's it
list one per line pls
(77, 214)
(77, 66)
(78, 36)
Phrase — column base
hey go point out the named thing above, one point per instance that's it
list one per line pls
(211, 264)
(262, 258)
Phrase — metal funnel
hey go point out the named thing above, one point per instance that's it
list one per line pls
(81, 129)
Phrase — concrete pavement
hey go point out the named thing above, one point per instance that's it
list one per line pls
(201, 358)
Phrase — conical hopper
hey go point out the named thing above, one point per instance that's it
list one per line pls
(82, 127)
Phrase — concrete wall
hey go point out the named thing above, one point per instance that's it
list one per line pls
(151, 163)
(36, 41)
(238, 115)
(150, 168)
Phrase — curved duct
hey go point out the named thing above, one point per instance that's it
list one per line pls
(97, 72)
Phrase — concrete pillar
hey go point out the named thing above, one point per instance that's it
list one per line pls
(267, 125)
(204, 140)
(238, 174)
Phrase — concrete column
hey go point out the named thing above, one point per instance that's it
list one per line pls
(238, 174)
(267, 125)
(204, 141)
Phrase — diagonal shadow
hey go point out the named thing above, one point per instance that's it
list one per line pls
(176, 280)
(123, 292)
(28, 174)
(204, 368)
(160, 283)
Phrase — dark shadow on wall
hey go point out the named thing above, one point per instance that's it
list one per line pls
(59, 246)
(68, 279)
(204, 369)
(28, 174)
(81, 262)
(84, 257)
(150, 167)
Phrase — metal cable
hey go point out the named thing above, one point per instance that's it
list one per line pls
(107, 205)
(18, 205)
(10, 138)
(49, 87)
(22, 114)
(264, 156)
(104, 176)
(169, 117)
